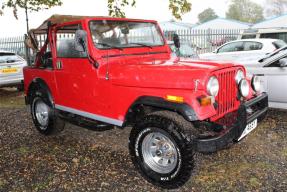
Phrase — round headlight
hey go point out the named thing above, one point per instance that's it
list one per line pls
(213, 86)
(239, 76)
(244, 87)
(256, 84)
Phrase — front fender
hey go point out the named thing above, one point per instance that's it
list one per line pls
(182, 108)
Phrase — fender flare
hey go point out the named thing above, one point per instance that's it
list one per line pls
(38, 83)
(182, 108)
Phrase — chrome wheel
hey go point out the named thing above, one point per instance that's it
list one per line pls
(159, 153)
(42, 113)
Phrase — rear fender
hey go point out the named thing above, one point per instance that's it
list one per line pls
(38, 87)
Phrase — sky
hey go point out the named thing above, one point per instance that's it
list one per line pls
(145, 9)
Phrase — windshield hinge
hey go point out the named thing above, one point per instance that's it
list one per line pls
(107, 75)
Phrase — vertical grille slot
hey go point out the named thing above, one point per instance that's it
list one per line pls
(227, 95)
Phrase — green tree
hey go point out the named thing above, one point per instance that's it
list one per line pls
(206, 15)
(245, 11)
(115, 7)
(276, 7)
(29, 5)
(177, 7)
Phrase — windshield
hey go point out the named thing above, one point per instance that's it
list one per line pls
(124, 34)
(9, 58)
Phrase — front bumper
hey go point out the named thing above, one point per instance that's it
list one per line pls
(234, 124)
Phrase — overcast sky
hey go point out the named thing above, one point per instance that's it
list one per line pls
(145, 9)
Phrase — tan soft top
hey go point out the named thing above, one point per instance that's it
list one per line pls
(58, 19)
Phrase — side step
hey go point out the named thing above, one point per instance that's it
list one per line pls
(84, 122)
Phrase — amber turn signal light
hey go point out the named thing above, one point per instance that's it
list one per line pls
(173, 98)
(205, 100)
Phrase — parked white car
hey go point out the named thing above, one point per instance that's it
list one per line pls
(11, 70)
(247, 49)
(272, 71)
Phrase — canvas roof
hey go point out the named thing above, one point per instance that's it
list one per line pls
(58, 19)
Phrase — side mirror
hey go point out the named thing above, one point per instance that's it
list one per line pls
(176, 41)
(81, 40)
(81, 46)
(283, 62)
(215, 51)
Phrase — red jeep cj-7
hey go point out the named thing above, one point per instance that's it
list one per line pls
(101, 71)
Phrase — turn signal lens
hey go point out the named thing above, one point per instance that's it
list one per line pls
(173, 98)
(205, 101)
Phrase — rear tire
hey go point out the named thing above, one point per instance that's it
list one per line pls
(44, 115)
(177, 137)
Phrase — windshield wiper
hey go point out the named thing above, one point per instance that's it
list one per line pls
(272, 54)
(110, 46)
(142, 44)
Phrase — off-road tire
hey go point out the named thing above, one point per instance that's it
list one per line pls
(180, 132)
(55, 124)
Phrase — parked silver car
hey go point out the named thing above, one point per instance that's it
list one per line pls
(11, 70)
(272, 71)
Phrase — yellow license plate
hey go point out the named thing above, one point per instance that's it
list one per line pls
(10, 70)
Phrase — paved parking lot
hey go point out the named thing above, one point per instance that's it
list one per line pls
(83, 160)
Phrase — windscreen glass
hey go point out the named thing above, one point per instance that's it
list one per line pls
(124, 34)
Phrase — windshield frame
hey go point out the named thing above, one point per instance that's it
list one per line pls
(126, 47)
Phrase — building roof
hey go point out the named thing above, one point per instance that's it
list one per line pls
(174, 25)
(222, 23)
(273, 22)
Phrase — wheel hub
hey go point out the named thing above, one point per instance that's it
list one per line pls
(42, 113)
(159, 153)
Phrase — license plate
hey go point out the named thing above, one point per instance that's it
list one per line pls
(9, 70)
(250, 127)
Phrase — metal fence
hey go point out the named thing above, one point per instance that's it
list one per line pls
(13, 44)
(201, 40)
(204, 40)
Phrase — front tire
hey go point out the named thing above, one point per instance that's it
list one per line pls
(44, 115)
(162, 149)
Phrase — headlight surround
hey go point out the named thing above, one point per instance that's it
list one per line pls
(244, 88)
(239, 76)
(256, 85)
(213, 86)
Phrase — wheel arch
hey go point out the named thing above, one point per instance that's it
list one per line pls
(147, 104)
(39, 84)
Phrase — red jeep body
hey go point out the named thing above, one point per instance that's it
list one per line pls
(123, 80)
